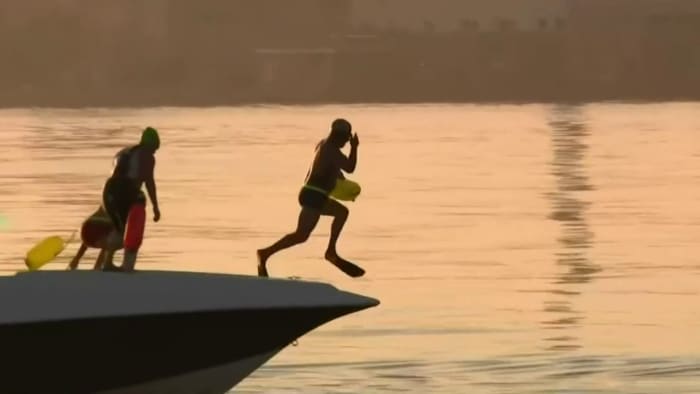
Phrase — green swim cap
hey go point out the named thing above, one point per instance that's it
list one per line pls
(150, 138)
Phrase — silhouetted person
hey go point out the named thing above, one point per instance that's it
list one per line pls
(97, 231)
(327, 167)
(134, 166)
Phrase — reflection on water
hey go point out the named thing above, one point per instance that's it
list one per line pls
(569, 207)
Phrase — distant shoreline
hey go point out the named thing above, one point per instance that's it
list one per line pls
(77, 104)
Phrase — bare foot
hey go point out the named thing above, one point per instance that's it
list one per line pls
(262, 263)
(349, 268)
(113, 268)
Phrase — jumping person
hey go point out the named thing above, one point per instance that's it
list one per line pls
(327, 166)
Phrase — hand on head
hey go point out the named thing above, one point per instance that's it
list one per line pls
(354, 140)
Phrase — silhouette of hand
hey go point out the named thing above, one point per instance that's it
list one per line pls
(354, 140)
(156, 215)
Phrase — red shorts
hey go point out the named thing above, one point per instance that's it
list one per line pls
(94, 232)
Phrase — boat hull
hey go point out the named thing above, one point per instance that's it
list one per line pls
(215, 380)
(208, 344)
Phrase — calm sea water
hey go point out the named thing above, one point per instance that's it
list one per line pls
(515, 249)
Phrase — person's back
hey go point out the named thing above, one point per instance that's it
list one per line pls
(133, 163)
(324, 171)
(99, 216)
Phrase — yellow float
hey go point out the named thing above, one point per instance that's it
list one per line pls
(346, 190)
(45, 251)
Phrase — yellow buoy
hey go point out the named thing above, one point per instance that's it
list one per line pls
(346, 190)
(45, 251)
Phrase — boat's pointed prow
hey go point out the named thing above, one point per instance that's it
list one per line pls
(184, 331)
(361, 301)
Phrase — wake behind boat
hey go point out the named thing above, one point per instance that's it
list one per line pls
(153, 331)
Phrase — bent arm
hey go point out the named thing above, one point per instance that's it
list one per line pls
(150, 182)
(349, 163)
(151, 189)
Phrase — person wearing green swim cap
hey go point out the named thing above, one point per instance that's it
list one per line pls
(326, 168)
(133, 166)
(150, 138)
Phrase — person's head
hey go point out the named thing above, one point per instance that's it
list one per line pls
(341, 132)
(150, 139)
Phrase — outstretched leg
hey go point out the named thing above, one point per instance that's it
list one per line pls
(74, 263)
(116, 204)
(308, 218)
(100, 260)
(340, 215)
